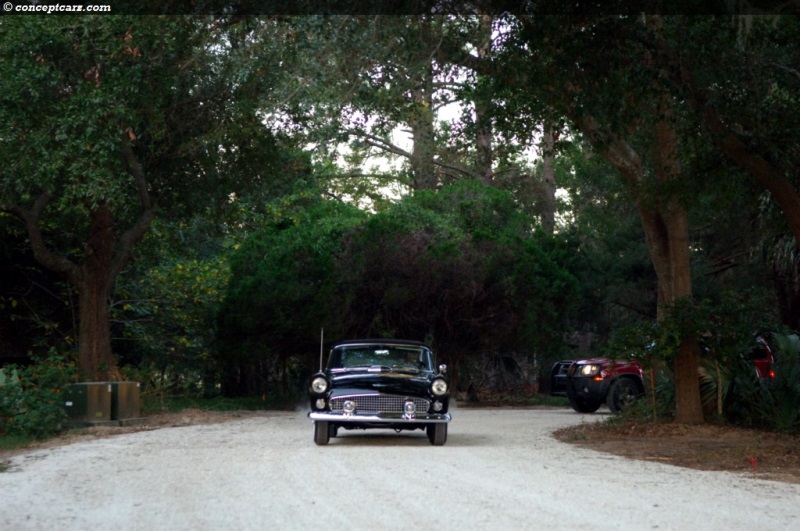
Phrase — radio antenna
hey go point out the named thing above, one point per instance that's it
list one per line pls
(321, 341)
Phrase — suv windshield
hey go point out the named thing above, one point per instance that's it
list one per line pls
(393, 356)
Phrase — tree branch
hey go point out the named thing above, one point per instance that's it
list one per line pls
(41, 253)
(131, 236)
(457, 168)
(788, 69)
(767, 174)
(380, 143)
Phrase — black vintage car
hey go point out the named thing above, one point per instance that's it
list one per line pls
(380, 383)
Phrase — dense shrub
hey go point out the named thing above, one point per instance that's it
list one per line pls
(30, 397)
(282, 291)
(462, 268)
(726, 328)
(774, 405)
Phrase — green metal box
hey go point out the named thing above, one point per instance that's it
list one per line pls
(124, 400)
(88, 402)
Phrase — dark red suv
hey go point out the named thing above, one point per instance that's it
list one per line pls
(590, 383)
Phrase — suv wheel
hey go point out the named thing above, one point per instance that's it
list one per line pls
(582, 405)
(621, 394)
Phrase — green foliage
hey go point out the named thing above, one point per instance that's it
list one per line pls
(108, 120)
(643, 411)
(282, 291)
(30, 397)
(167, 322)
(165, 310)
(727, 325)
(726, 329)
(462, 268)
(614, 268)
(356, 79)
(11, 442)
(641, 341)
(291, 261)
(74, 90)
(36, 305)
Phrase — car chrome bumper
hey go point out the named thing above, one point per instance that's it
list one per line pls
(380, 418)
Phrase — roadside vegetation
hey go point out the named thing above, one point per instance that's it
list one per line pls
(190, 203)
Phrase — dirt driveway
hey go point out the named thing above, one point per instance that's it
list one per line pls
(500, 469)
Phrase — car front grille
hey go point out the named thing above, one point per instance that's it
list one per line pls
(558, 377)
(379, 403)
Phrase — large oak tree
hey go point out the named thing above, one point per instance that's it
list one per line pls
(104, 121)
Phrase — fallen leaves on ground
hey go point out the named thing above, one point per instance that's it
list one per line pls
(760, 454)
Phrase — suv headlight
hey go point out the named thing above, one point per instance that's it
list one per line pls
(589, 370)
(438, 387)
(319, 385)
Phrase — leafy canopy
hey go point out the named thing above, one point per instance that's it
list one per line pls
(462, 268)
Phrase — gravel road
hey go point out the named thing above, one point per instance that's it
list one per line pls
(500, 469)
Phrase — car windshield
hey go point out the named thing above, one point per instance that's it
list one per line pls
(392, 356)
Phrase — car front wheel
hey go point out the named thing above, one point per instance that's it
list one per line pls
(437, 434)
(322, 433)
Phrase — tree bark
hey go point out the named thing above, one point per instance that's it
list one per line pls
(688, 403)
(483, 121)
(548, 199)
(95, 358)
(421, 122)
(422, 165)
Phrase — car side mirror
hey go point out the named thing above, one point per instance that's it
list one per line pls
(443, 368)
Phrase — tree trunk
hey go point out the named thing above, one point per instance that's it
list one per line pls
(483, 143)
(667, 237)
(548, 199)
(421, 122)
(688, 403)
(483, 122)
(666, 229)
(95, 359)
(422, 133)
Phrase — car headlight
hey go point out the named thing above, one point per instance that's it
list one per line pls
(438, 387)
(589, 370)
(319, 385)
